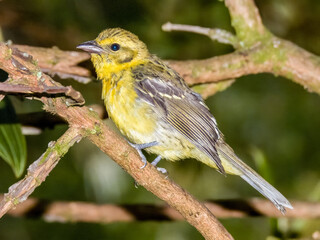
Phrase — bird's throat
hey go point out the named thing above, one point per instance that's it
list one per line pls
(116, 75)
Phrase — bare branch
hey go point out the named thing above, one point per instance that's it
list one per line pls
(52, 90)
(216, 34)
(54, 61)
(58, 211)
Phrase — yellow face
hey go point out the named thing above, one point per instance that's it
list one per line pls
(115, 46)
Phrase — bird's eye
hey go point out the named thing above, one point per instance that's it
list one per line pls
(115, 47)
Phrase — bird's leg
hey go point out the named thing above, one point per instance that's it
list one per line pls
(139, 147)
(155, 162)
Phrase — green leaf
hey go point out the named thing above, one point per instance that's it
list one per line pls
(13, 148)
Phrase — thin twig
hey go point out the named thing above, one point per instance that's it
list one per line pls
(216, 34)
(52, 90)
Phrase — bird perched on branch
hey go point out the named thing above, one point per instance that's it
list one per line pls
(155, 109)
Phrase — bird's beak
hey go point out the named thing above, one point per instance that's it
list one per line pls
(90, 47)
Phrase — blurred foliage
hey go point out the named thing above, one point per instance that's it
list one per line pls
(272, 115)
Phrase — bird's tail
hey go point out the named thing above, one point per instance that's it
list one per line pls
(253, 178)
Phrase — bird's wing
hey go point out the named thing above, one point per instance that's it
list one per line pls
(179, 106)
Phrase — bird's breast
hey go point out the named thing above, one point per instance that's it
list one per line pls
(134, 118)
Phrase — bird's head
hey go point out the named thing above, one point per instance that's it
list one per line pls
(113, 48)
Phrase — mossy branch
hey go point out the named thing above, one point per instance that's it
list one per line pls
(257, 51)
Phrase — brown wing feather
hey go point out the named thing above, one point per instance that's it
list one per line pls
(179, 106)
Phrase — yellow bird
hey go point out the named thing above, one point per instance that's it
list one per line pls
(153, 107)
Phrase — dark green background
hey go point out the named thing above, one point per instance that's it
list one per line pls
(261, 114)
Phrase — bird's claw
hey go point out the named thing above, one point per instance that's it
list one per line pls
(144, 160)
(162, 170)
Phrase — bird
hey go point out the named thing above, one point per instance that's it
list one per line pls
(154, 108)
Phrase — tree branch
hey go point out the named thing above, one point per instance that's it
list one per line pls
(39, 170)
(91, 125)
(25, 89)
(279, 57)
(57, 62)
(59, 211)
(216, 34)
(246, 20)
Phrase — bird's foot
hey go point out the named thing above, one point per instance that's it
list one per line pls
(139, 148)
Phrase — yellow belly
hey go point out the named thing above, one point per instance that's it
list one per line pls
(133, 119)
